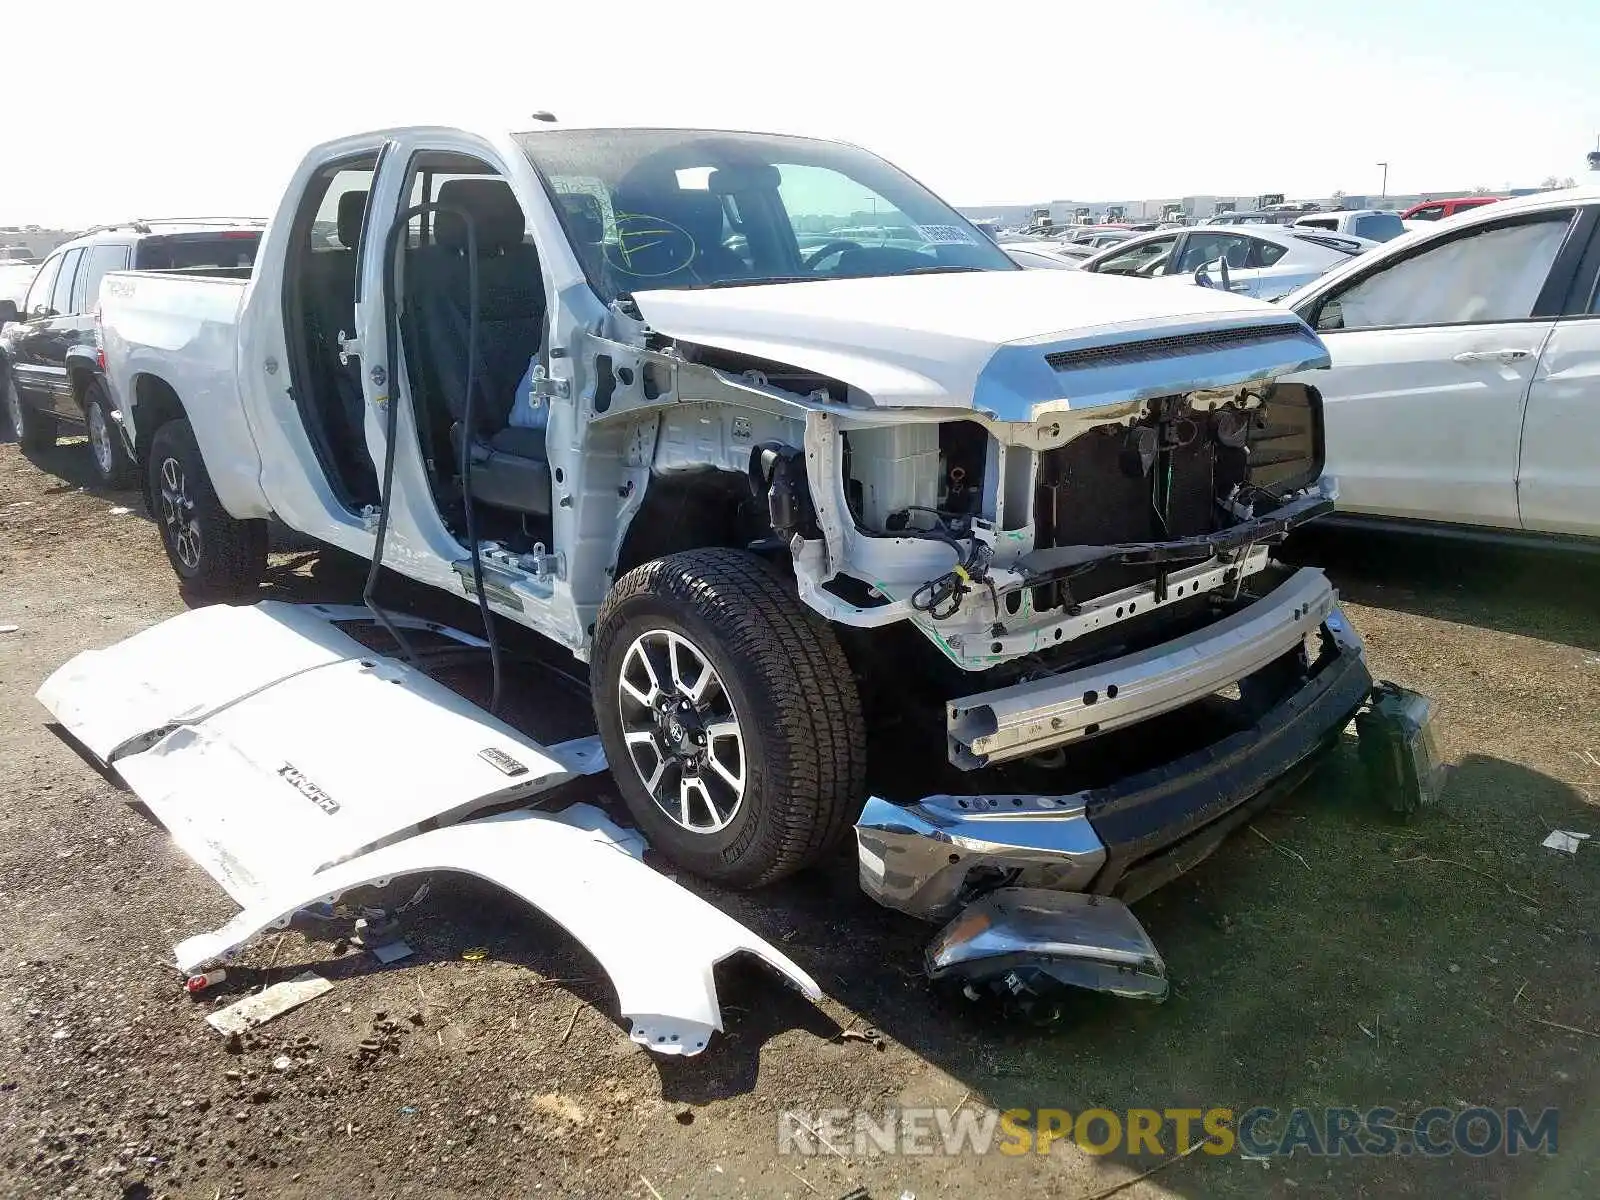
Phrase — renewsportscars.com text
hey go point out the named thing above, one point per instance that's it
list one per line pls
(1258, 1132)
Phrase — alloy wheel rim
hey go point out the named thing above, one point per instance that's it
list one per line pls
(177, 514)
(14, 407)
(100, 439)
(682, 731)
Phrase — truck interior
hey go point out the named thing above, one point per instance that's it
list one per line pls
(476, 439)
(320, 304)
(473, 207)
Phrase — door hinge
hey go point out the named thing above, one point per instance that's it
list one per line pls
(542, 565)
(544, 384)
(539, 564)
(349, 347)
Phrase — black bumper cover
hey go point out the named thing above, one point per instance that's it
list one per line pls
(1157, 824)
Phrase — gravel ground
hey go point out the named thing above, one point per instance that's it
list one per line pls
(1331, 957)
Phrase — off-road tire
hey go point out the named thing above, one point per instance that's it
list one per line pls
(35, 431)
(119, 474)
(232, 554)
(793, 692)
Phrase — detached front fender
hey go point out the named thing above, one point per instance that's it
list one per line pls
(658, 942)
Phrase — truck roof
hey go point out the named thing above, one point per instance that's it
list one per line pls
(169, 227)
(518, 130)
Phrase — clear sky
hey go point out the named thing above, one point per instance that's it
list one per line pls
(168, 107)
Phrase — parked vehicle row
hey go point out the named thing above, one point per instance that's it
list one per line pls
(1395, 455)
(1372, 224)
(50, 350)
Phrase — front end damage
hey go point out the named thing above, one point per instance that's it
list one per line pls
(1051, 554)
(1035, 887)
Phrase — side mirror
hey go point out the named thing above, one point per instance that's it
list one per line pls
(8, 312)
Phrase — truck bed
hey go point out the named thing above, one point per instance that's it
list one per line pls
(176, 333)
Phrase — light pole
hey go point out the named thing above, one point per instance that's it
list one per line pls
(1384, 193)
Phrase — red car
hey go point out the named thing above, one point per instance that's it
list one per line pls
(1438, 210)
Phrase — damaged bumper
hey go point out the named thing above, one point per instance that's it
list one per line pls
(1015, 722)
(931, 858)
(1017, 939)
(1035, 888)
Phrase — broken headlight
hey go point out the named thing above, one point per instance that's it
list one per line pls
(1398, 748)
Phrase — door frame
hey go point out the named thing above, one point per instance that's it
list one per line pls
(419, 544)
(1579, 305)
(291, 474)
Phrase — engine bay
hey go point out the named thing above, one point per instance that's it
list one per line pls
(1185, 469)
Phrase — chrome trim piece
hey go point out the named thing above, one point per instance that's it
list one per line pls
(917, 858)
(1093, 942)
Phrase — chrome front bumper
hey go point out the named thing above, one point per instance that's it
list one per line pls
(931, 857)
(1014, 722)
(918, 857)
(1034, 889)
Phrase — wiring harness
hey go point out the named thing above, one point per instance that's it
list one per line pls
(941, 597)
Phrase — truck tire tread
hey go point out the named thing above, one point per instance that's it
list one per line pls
(38, 431)
(233, 556)
(794, 673)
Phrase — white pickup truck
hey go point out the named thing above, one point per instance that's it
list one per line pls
(832, 519)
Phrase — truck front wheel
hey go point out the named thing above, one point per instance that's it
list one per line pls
(729, 715)
(211, 551)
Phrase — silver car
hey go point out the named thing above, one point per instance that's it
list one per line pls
(1264, 261)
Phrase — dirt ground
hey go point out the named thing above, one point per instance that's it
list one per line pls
(1331, 956)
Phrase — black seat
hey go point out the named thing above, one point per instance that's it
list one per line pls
(670, 237)
(509, 467)
(340, 285)
(330, 299)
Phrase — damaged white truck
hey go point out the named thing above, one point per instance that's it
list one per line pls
(834, 520)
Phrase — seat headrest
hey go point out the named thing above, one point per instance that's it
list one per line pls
(352, 207)
(496, 215)
(696, 213)
(585, 218)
